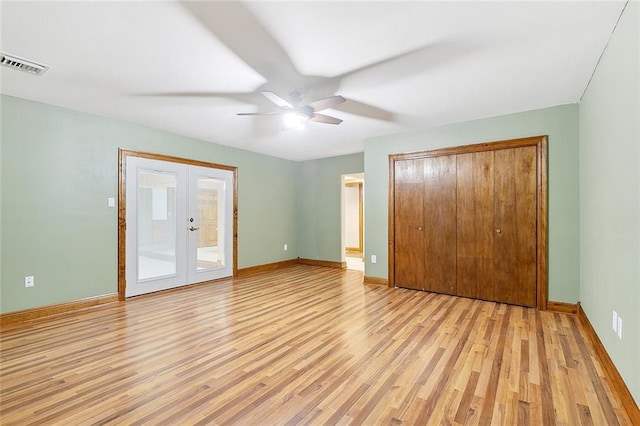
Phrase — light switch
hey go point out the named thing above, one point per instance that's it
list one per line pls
(111, 202)
(619, 328)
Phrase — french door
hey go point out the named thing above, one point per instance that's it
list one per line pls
(179, 224)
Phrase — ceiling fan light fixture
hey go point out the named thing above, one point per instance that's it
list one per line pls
(294, 120)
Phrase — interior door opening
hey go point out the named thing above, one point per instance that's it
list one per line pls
(353, 221)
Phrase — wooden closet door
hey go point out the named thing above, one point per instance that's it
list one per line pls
(515, 237)
(440, 224)
(409, 223)
(475, 225)
(484, 221)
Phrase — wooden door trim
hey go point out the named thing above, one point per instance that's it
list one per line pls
(540, 142)
(542, 216)
(391, 203)
(123, 154)
(464, 149)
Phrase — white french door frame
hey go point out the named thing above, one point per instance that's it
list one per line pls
(201, 168)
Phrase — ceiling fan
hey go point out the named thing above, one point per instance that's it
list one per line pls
(295, 115)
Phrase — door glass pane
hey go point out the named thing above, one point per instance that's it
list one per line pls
(211, 222)
(156, 224)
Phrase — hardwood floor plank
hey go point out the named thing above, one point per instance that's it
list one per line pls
(548, 413)
(463, 408)
(496, 364)
(523, 413)
(585, 415)
(302, 345)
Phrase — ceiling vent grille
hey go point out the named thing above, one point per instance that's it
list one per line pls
(21, 64)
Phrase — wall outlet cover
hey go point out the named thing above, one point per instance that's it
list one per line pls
(29, 281)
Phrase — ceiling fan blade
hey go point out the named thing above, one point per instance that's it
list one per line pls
(326, 119)
(248, 97)
(366, 110)
(240, 30)
(259, 113)
(282, 103)
(409, 63)
(326, 103)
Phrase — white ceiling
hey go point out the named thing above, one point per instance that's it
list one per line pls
(188, 68)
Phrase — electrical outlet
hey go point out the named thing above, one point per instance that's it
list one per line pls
(620, 328)
(614, 324)
(29, 281)
(285, 247)
(374, 259)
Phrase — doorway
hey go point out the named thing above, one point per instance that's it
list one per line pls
(177, 223)
(353, 220)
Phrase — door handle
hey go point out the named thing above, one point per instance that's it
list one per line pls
(420, 228)
(193, 228)
(498, 231)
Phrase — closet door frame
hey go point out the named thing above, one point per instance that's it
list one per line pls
(540, 142)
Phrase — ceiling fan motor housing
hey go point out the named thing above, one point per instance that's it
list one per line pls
(305, 110)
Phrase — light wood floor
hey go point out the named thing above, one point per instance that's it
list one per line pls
(303, 345)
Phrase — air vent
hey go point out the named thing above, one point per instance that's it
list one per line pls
(21, 64)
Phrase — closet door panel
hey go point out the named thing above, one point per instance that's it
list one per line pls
(505, 259)
(440, 223)
(515, 238)
(466, 265)
(409, 223)
(483, 177)
(475, 225)
(526, 202)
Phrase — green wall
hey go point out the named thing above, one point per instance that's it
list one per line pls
(610, 197)
(58, 167)
(559, 123)
(319, 201)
